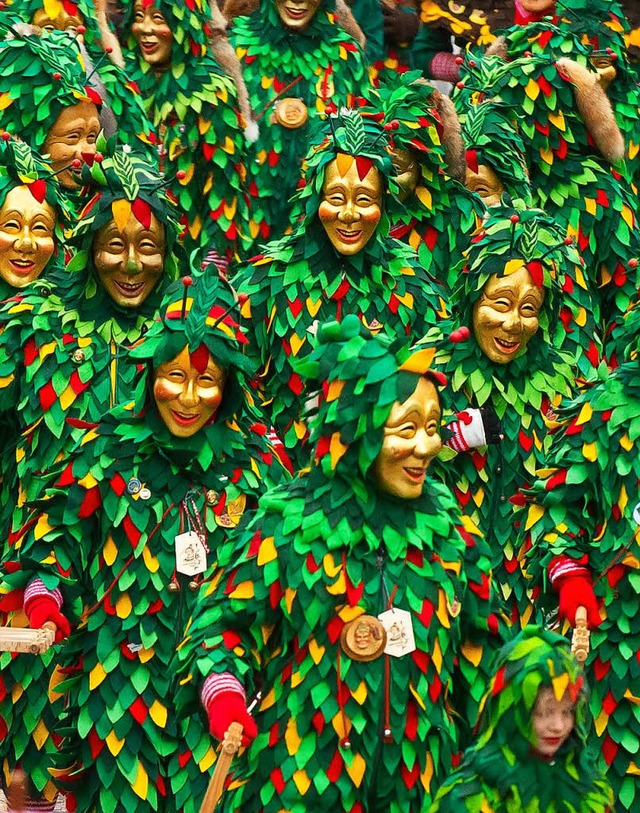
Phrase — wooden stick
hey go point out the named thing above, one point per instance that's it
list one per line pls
(581, 640)
(26, 639)
(230, 745)
(109, 39)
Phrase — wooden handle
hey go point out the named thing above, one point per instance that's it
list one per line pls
(581, 640)
(109, 39)
(230, 745)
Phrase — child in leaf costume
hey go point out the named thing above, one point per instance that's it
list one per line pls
(295, 72)
(62, 344)
(583, 527)
(438, 215)
(192, 101)
(339, 260)
(135, 516)
(505, 364)
(537, 689)
(295, 610)
(573, 143)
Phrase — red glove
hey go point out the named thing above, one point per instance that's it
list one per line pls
(575, 591)
(41, 609)
(227, 708)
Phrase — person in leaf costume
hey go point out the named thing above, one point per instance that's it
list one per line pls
(297, 67)
(583, 529)
(572, 143)
(531, 753)
(438, 215)
(122, 111)
(62, 345)
(134, 518)
(360, 550)
(496, 161)
(46, 98)
(339, 260)
(499, 359)
(191, 96)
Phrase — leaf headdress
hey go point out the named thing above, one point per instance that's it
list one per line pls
(360, 376)
(22, 166)
(196, 312)
(40, 76)
(491, 137)
(125, 184)
(356, 137)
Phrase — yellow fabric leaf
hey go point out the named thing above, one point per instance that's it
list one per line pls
(121, 211)
(5, 100)
(424, 196)
(300, 778)
(88, 481)
(151, 562)
(560, 685)
(590, 205)
(557, 119)
(296, 343)
(335, 388)
(158, 714)
(141, 785)
(243, 591)
(536, 512)
(348, 613)
(532, 89)
(96, 676)
(313, 307)
(623, 499)
(338, 587)
(42, 527)
(53, 8)
(330, 567)
(207, 760)
(427, 775)
(627, 216)
(513, 266)
(195, 227)
(145, 655)
(109, 551)
(344, 162)
(442, 612)
(337, 449)
(360, 694)
(600, 722)
(267, 551)
(16, 692)
(546, 156)
(291, 737)
(436, 655)
(114, 744)
(589, 451)
(316, 651)
(472, 652)
(124, 606)
(585, 414)
(626, 443)
(289, 595)
(40, 735)
(356, 769)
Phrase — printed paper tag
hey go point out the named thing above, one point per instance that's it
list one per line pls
(191, 554)
(399, 629)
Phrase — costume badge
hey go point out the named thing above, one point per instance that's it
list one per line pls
(399, 631)
(636, 514)
(234, 512)
(291, 113)
(191, 554)
(363, 639)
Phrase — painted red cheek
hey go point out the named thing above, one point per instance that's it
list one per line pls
(163, 392)
(326, 212)
(372, 217)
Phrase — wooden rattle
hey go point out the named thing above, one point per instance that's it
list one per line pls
(230, 745)
(580, 642)
(26, 639)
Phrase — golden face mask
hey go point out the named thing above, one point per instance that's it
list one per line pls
(129, 262)
(62, 21)
(538, 6)
(74, 132)
(351, 205)
(411, 441)
(188, 391)
(153, 35)
(408, 169)
(486, 184)
(297, 14)
(27, 242)
(505, 318)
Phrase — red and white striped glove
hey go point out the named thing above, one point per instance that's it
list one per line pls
(225, 702)
(571, 579)
(42, 605)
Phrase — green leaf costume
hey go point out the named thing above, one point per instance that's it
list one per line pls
(111, 516)
(62, 348)
(323, 551)
(301, 279)
(499, 774)
(586, 502)
(194, 107)
(323, 67)
(523, 392)
(586, 196)
(439, 215)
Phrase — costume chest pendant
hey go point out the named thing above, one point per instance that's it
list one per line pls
(191, 554)
(399, 631)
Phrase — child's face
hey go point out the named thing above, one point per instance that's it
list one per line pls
(553, 721)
